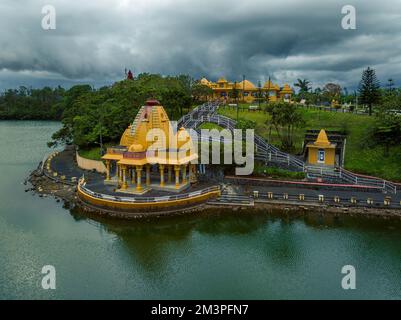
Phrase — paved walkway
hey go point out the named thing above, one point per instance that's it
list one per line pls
(312, 195)
(64, 164)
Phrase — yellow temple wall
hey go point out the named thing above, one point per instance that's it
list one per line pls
(146, 205)
(329, 156)
(88, 164)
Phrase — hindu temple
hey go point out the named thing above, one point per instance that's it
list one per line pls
(152, 154)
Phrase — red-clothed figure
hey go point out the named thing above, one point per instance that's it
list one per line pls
(130, 76)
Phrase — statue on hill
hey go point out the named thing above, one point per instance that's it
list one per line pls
(130, 76)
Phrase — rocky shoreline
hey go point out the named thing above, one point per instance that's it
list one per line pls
(44, 186)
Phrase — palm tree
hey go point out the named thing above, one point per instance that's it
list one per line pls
(303, 85)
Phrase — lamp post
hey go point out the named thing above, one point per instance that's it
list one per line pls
(243, 88)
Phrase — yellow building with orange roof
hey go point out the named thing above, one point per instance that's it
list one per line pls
(247, 91)
(272, 91)
(321, 151)
(286, 93)
(149, 147)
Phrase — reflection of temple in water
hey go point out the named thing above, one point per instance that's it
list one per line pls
(152, 242)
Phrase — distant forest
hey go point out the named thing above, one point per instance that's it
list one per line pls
(32, 104)
(86, 112)
(50, 103)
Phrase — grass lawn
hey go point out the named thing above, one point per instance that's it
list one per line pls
(94, 152)
(210, 126)
(358, 158)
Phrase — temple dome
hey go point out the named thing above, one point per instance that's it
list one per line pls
(286, 89)
(205, 82)
(271, 86)
(247, 85)
(136, 148)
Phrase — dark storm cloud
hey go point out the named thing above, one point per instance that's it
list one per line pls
(95, 40)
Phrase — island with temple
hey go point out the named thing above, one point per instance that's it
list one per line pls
(157, 168)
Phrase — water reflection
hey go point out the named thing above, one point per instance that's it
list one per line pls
(276, 236)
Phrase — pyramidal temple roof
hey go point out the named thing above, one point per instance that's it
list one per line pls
(322, 139)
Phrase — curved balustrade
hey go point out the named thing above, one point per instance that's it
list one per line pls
(82, 187)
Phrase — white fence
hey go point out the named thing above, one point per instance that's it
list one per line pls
(352, 178)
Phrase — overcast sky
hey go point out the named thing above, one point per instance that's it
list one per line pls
(95, 40)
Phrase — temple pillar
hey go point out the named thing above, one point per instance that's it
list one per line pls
(193, 173)
(169, 173)
(148, 174)
(161, 168)
(184, 174)
(133, 175)
(138, 174)
(107, 170)
(177, 176)
(119, 174)
(124, 178)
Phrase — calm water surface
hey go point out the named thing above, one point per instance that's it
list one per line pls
(218, 256)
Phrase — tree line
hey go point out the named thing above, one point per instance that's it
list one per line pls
(32, 104)
(382, 102)
(105, 113)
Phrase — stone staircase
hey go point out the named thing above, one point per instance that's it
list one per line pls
(136, 120)
(233, 200)
(156, 123)
(230, 196)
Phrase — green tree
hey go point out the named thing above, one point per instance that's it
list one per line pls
(303, 85)
(369, 86)
(245, 124)
(390, 101)
(386, 132)
(331, 91)
(285, 118)
(91, 116)
(200, 92)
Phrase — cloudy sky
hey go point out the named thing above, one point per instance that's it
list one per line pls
(95, 40)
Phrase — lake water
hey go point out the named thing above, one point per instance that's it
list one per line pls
(220, 255)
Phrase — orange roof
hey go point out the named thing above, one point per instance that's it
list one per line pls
(286, 89)
(322, 139)
(204, 81)
(271, 86)
(247, 85)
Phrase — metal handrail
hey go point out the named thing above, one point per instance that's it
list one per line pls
(269, 153)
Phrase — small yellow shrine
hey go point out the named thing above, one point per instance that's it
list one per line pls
(322, 151)
(247, 91)
(149, 147)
